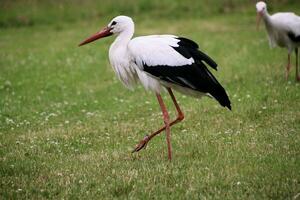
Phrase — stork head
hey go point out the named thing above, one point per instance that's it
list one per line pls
(120, 24)
(261, 9)
(116, 26)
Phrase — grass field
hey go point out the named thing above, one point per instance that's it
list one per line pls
(67, 125)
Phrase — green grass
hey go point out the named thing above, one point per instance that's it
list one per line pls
(19, 13)
(67, 125)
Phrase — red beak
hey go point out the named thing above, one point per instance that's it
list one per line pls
(101, 34)
(258, 19)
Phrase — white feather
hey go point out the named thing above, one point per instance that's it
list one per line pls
(128, 57)
(157, 50)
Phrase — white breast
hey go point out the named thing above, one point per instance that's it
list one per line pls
(121, 63)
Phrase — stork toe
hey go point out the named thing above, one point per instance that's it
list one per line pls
(142, 144)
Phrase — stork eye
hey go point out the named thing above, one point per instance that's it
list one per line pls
(113, 23)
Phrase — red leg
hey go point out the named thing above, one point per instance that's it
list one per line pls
(297, 67)
(288, 67)
(167, 124)
(180, 116)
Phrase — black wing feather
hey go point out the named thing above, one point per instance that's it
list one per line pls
(293, 37)
(189, 48)
(196, 77)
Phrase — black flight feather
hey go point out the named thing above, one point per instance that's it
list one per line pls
(196, 77)
(293, 37)
(190, 49)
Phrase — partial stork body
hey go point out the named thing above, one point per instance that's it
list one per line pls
(283, 30)
(158, 62)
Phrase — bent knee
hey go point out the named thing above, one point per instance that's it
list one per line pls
(180, 117)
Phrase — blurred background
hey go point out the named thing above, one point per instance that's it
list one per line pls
(15, 13)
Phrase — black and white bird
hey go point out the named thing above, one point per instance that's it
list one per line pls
(160, 62)
(283, 30)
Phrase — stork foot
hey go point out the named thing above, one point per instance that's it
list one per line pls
(142, 144)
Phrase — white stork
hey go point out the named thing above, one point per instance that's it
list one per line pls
(157, 62)
(283, 30)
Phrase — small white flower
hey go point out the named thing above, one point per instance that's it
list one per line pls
(7, 83)
(89, 114)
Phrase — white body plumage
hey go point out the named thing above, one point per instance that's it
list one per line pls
(279, 26)
(127, 56)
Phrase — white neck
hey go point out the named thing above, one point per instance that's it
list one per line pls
(124, 37)
(118, 49)
(267, 18)
(120, 58)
